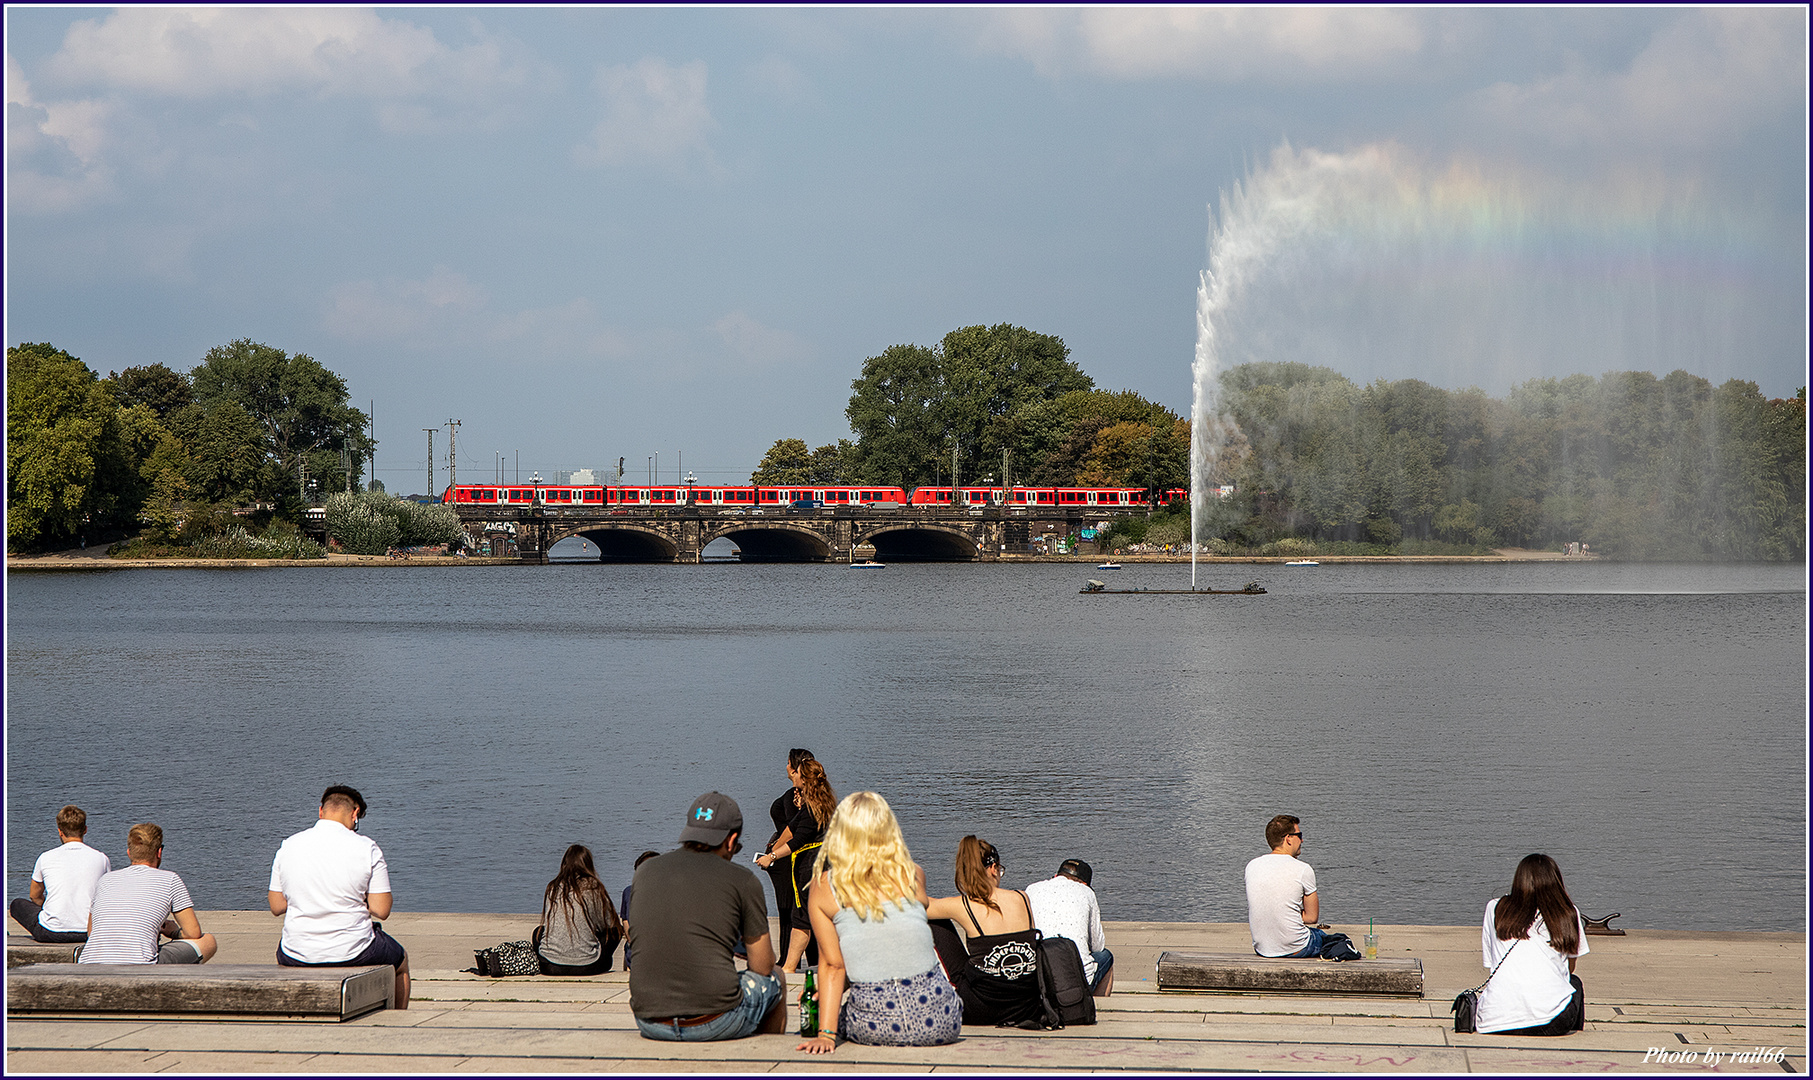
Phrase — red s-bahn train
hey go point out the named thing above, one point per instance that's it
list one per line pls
(782, 497)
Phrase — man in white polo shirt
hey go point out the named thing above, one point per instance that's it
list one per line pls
(62, 884)
(329, 883)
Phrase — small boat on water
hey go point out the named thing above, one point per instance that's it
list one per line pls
(867, 565)
(1303, 562)
(1108, 566)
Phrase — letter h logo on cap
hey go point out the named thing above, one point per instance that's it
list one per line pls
(703, 813)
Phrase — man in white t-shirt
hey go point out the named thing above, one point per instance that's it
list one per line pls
(329, 883)
(133, 905)
(1281, 901)
(62, 884)
(1064, 905)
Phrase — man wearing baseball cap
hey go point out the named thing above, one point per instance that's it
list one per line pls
(693, 906)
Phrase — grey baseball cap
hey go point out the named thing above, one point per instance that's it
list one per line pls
(713, 817)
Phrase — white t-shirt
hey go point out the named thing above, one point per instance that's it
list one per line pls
(1275, 887)
(326, 873)
(1532, 985)
(130, 906)
(1064, 907)
(69, 875)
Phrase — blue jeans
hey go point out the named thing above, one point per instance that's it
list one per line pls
(761, 993)
(1104, 963)
(1314, 948)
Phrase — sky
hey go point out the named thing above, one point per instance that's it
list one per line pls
(601, 233)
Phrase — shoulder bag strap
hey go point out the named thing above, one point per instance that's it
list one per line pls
(1495, 967)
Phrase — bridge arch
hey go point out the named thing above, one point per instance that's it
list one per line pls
(919, 542)
(772, 542)
(626, 543)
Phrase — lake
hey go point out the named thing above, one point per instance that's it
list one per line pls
(1431, 724)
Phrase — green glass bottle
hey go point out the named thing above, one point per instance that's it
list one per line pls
(808, 1008)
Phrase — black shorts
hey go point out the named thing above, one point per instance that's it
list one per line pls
(383, 949)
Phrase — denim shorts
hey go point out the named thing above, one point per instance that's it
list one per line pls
(761, 993)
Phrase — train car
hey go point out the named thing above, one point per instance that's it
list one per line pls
(831, 495)
(657, 495)
(523, 495)
(1064, 497)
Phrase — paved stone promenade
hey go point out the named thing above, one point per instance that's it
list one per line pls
(1687, 994)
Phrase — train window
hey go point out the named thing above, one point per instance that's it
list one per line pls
(594, 496)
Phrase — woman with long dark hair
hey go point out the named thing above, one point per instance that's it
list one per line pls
(994, 965)
(1530, 940)
(800, 817)
(579, 928)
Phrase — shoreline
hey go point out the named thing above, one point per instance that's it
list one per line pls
(62, 561)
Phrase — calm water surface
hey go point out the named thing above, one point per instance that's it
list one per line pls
(1646, 725)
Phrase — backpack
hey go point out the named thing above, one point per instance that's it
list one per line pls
(510, 958)
(1063, 982)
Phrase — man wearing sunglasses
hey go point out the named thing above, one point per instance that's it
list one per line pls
(1281, 901)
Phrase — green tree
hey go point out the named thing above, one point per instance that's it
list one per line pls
(912, 405)
(788, 461)
(65, 460)
(226, 451)
(300, 409)
(161, 388)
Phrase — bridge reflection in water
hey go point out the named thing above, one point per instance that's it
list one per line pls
(679, 534)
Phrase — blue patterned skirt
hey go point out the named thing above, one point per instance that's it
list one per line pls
(921, 1011)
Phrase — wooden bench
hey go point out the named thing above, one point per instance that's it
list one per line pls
(1250, 974)
(22, 950)
(199, 991)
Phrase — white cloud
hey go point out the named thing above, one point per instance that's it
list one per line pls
(397, 310)
(1706, 78)
(1214, 44)
(53, 148)
(757, 344)
(654, 113)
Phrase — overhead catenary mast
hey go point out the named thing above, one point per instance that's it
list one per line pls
(453, 461)
(430, 432)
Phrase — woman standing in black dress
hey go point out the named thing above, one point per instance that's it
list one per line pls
(799, 817)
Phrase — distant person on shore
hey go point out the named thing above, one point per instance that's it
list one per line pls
(579, 928)
(1530, 940)
(134, 904)
(329, 883)
(1064, 905)
(62, 884)
(994, 966)
(868, 913)
(800, 817)
(692, 906)
(1281, 901)
(623, 909)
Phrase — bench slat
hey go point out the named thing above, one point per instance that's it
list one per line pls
(216, 989)
(23, 951)
(1252, 974)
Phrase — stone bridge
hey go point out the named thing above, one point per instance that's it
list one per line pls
(679, 534)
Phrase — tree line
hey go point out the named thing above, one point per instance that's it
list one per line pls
(169, 452)
(1635, 466)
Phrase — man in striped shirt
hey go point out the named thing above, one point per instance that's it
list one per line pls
(133, 904)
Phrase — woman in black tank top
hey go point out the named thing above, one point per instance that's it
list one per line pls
(996, 969)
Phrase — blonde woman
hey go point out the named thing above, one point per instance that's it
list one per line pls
(867, 907)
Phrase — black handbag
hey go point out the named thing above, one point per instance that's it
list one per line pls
(1466, 1005)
